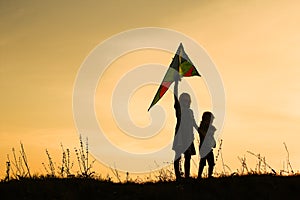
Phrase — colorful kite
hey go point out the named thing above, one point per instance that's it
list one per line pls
(182, 65)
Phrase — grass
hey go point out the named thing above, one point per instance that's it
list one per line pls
(62, 181)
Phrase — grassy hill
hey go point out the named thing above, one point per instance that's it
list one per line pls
(236, 187)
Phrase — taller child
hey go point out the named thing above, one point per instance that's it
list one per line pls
(184, 136)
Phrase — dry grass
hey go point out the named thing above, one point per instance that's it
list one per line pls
(18, 167)
(63, 182)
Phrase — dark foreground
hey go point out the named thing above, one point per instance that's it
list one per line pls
(237, 187)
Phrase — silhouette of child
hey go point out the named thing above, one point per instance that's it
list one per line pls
(184, 136)
(206, 132)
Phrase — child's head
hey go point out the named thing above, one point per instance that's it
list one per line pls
(185, 100)
(208, 117)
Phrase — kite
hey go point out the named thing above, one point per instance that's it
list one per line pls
(180, 64)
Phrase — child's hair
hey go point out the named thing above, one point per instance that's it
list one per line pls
(185, 100)
(207, 117)
(184, 96)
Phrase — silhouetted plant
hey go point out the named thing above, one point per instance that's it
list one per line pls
(219, 150)
(50, 167)
(261, 164)
(66, 165)
(18, 168)
(24, 157)
(128, 179)
(116, 173)
(82, 155)
(289, 166)
(165, 174)
(7, 176)
(19, 162)
(244, 165)
(225, 168)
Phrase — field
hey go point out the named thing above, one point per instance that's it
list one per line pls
(61, 182)
(234, 187)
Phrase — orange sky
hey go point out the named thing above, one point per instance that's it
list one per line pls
(254, 45)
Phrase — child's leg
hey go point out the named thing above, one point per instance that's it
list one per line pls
(202, 164)
(211, 163)
(187, 164)
(176, 166)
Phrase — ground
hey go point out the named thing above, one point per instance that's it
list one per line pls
(236, 187)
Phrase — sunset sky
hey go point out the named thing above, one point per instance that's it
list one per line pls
(254, 45)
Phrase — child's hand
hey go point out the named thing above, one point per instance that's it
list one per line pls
(177, 76)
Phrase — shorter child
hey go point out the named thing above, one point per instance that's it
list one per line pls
(207, 143)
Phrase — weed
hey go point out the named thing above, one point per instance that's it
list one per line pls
(50, 168)
(66, 165)
(261, 164)
(116, 174)
(165, 174)
(7, 171)
(244, 165)
(82, 155)
(225, 168)
(18, 167)
(20, 164)
(289, 166)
